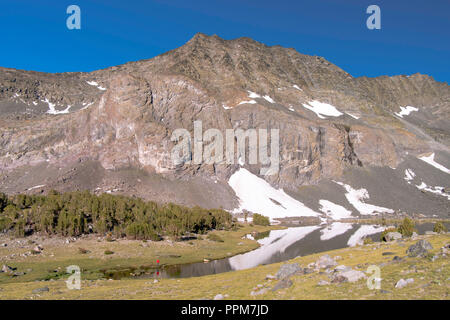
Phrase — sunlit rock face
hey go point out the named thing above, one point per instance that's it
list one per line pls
(111, 129)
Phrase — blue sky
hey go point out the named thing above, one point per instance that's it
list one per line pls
(414, 35)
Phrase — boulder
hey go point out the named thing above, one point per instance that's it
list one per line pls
(419, 249)
(445, 250)
(287, 270)
(7, 269)
(350, 276)
(337, 279)
(308, 270)
(342, 268)
(325, 261)
(258, 292)
(391, 236)
(270, 277)
(40, 290)
(37, 249)
(323, 283)
(219, 297)
(403, 283)
(282, 284)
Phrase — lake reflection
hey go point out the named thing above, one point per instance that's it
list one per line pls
(282, 245)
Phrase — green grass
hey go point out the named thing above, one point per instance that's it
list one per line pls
(132, 254)
(430, 280)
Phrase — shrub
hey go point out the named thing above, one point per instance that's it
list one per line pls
(439, 227)
(214, 237)
(368, 240)
(109, 252)
(260, 220)
(406, 228)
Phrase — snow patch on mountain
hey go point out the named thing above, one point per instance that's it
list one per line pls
(258, 196)
(253, 95)
(405, 111)
(36, 187)
(334, 211)
(250, 101)
(95, 84)
(52, 109)
(356, 197)
(269, 99)
(430, 161)
(352, 115)
(322, 109)
(437, 190)
(409, 175)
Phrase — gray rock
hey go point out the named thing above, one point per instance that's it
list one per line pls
(323, 283)
(287, 270)
(325, 261)
(270, 277)
(40, 290)
(351, 276)
(414, 235)
(338, 279)
(308, 270)
(429, 233)
(419, 249)
(390, 236)
(342, 268)
(258, 292)
(219, 297)
(282, 284)
(36, 250)
(403, 283)
(8, 269)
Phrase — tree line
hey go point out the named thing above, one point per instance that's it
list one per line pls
(80, 212)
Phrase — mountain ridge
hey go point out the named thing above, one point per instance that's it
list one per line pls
(100, 124)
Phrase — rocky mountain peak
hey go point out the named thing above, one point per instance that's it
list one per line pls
(113, 127)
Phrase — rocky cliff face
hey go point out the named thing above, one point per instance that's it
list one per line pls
(110, 130)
